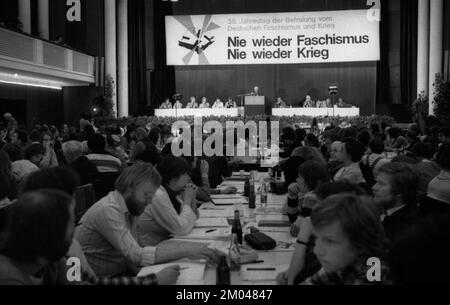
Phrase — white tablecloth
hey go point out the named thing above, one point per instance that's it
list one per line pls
(231, 112)
(316, 112)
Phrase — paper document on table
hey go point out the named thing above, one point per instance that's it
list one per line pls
(230, 201)
(212, 222)
(226, 196)
(216, 213)
(191, 273)
(261, 275)
(207, 234)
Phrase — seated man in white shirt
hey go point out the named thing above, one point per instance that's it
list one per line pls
(174, 208)
(204, 103)
(309, 103)
(166, 105)
(218, 104)
(108, 231)
(177, 105)
(281, 103)
(192, 104)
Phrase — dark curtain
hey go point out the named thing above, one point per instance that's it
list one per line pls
(408, 51)
(383, 64)
(137, 56)
(163, 77)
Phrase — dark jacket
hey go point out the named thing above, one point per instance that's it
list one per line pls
(401, 223)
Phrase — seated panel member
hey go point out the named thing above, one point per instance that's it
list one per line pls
(342, 104)
(218, 104)
(230, 103)
(177, 105)
(174, 207)
(166, 105)
(309, 103)
(281, 103)
(204, 103)
(192, 104)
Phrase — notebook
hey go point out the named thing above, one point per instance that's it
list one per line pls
(192, 275)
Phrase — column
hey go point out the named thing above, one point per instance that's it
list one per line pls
(436, 46)
(122, 36)
(110, 45)
(25, 15)
(423, 43)
(43, 19)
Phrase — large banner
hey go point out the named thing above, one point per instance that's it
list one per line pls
(280, 38)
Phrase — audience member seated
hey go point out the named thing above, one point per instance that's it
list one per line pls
(49, 159)
(372, 161)
(204, 103)
(174, 206)
(303, 262)
(395, 141)
(104, 162)
(38, 235)
(444, 135)
(311, 175)
(217, 104)
(348, 232)
(166, 105)
(439, 187)
(145, 150)
(395, 193)
(426, 169)
(199, 174)
(108, 231)
(6, 172)
(350, 152)
(73, 153)
(426, 250)
(19, 137)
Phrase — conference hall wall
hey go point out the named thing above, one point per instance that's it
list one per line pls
(356, 80)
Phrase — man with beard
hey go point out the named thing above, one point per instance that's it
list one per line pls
(38, 235)
(108, 231)
(395, 192)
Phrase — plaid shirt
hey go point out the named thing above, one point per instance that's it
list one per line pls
(121, 281)
(353, 275)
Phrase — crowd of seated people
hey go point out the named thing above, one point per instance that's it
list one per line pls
(353, 193)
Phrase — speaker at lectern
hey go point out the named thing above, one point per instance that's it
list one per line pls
(255, 105)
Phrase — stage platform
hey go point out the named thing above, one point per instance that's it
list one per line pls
(235, 112)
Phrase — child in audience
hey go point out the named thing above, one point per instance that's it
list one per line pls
(348, 232)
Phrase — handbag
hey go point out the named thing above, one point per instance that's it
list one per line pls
(260, 241)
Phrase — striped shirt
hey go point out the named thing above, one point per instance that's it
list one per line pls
(105, 163)
(108, 236)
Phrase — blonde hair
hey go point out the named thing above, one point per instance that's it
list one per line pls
(72, 150)
(134, 175)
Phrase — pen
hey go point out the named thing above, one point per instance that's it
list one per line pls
(209, 231)
(261, 269)
(254, 262)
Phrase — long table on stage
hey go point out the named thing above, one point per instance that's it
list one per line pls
(290, 112)
(231, 112)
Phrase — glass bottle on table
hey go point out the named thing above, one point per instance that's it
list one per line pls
(223, 272)
(252, 195)
(234, 255)
(263, 194)
(237, 227)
